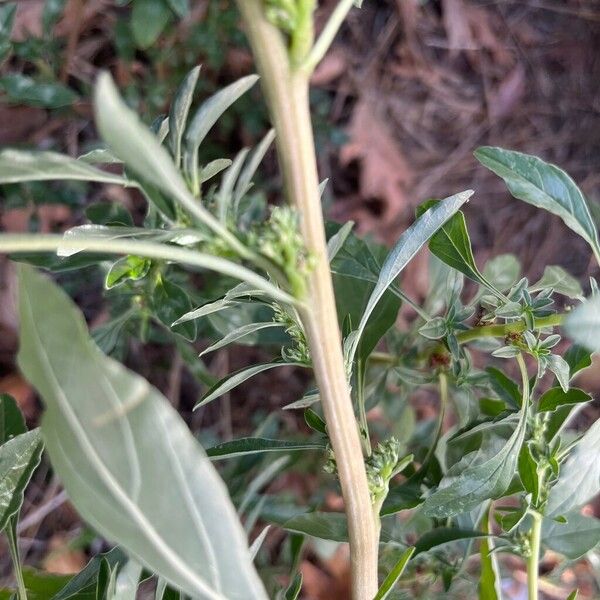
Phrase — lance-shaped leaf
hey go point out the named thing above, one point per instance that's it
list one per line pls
(127, 460)
(180, 109)
(452, 245)
(408, 245)
(238, 334)
(544, 185)
(225, 193)
(557, 279)
(394, 575)
(231, 381)
(132, 142)
(12, 422)
(583, 325)
(28, 165)
(210, 110)
(487, 480)
(244, 446)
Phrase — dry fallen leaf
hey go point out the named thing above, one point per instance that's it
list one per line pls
(384, 172)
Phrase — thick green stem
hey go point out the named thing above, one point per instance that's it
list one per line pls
(13, 548)
(286, 90)
(533, 561)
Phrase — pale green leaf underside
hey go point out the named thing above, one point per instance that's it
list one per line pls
(583, 325)
(129, 463)
(543, 185)
(20, 165)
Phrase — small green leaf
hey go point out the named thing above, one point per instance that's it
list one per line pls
(237, 378)
(128, 268)
(170, 300)
(239, 333)
(148, 20)
(17, 166)
(394, 575)
(545, 186)
(22, 89)
(294, 589)
(180, 109)
(225, 194)
(445, 535)
(323, 525)
(528, 473)
(452, 245)
(210, 111)
(337, 240)
(246, 446)
(505, 387)
(583, 325)
(214, 168)
(109, 214)
(435, 329)
(556, 397)
(19, 457)
(314, 421)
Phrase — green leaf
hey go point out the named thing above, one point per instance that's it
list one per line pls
(338, 239)
(239, 333)
(7, 18)
(556, 397)
(148, 20)
(127, 581)
(505, 387)
(579, 476)
(225, 193)
(487, 480)
(583, 325)
(138, 147)
(452, 245)
(543, 185)
(557, 279)
(180, 109)
(214, 168)
(314, 421)
(83, 585)
(17, 166)
(445, 535)
(574, 538)
(245, 179)
(210, 111)
(294, 589)
(528, 473)
(233, 380)
(19, 457)
(124, 454)
(128, 268)
(405, 249)
(109, 214)
(170, 300)
(394, 575)
(245, 446)
(21, 89)
(12, 422)
(323, 525)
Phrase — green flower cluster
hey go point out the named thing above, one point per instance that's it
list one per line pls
(298, 351)
(280, 241)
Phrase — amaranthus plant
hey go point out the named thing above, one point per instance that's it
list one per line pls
(507, 477)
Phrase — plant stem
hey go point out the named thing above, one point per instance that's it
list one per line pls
(482, 331)
(286, 90)
(533, 561)
(327, 35)
(11, 534)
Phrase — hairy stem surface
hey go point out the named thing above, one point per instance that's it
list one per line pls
(286, 90)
